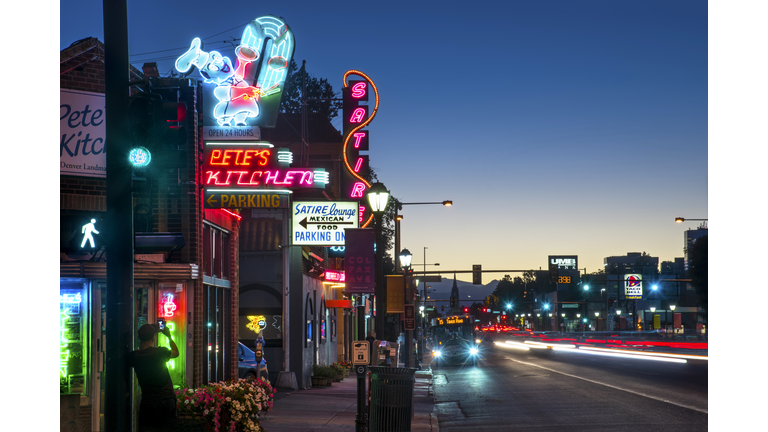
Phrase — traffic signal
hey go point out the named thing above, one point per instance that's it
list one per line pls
(466, 310)
(485, 310)
(477, 275)
(157, 134)
(442, 308)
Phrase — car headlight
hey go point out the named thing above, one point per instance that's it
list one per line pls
(436, 353)
(473, 351)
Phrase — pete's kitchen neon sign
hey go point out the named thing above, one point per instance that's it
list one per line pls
(356, 136)
(256, 164)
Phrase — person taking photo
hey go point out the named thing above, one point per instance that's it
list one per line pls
(157, 410)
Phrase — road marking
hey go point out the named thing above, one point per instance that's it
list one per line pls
(613, 387)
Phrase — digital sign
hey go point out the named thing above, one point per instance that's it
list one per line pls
(563, 270)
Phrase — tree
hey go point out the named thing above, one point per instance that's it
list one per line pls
(319, 94)
(697, 268)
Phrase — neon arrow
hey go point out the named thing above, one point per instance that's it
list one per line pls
(304, 223)
(211, 201)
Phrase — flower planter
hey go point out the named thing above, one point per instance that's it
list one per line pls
(318, 382)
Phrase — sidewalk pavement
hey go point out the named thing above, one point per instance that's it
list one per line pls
(334, 408)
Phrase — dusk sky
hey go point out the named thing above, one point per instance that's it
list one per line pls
(556, 127)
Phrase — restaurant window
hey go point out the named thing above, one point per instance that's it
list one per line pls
(73, 336)
(216, 251)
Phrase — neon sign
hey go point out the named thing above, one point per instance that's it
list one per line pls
(258, 165)
(256, 323)
(355, 119)
(63, 345)
(70, 298)
(335, 276)
(248, 94)
(169, 307)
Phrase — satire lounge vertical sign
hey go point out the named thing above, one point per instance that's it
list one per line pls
(82, 128)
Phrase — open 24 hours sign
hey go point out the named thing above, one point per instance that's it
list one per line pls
(322, 223)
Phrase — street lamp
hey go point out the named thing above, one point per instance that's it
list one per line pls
(681, 220)
(378, 198)
(672, 308)
(405, 262)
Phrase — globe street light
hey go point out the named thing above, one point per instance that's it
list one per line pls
(405, 263)
(378, 198)
(672, 308)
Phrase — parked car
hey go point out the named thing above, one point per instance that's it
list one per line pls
(248, 367)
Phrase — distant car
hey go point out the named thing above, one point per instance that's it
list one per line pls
(456, 351)
(248, 367)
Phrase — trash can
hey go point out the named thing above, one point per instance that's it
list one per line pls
(391, 399)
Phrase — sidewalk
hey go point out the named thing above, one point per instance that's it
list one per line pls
(334, 408)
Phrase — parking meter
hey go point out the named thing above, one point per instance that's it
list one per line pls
(259, 349)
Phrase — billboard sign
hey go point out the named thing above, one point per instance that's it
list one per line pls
(82, 151)
(322, 223)
(633, 286)
(358, 261)
(563, 270)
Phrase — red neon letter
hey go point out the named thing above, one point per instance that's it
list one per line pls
(213, 176)
(357, 190)
(358, 136)
(306, 178)
(357, 115)
(358, 164)
(362, 210)
(358, 90)
(253, 177)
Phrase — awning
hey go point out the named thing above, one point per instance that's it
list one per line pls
(338, 304)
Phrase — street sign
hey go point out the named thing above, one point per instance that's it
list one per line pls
(410, 317)
(323, 223)
(360, 353)
(243, 198)
(570, 305)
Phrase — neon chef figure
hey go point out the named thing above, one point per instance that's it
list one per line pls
(237, 91)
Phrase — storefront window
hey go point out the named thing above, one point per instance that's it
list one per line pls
(73, 338)
(172, 309)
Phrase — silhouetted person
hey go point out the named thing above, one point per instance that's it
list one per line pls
(157, 410)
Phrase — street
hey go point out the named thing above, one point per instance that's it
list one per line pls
(548, 390)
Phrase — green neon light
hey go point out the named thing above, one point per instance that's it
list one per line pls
(63, 343)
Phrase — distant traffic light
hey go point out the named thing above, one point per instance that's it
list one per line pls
(477, 275)
(466, 310)
(442, 308)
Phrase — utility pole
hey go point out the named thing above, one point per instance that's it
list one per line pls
(118, 414)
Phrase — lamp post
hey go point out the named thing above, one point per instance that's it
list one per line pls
(681, 220)
(672, 308)
(405, 262)
(378, 198)
(653, 309)
(586, 304)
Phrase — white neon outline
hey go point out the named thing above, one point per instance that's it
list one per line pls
(285, 156)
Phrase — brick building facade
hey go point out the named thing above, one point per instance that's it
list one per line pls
(186, 258)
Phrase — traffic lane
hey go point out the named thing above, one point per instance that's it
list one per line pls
(516, 396)
(682, 383)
